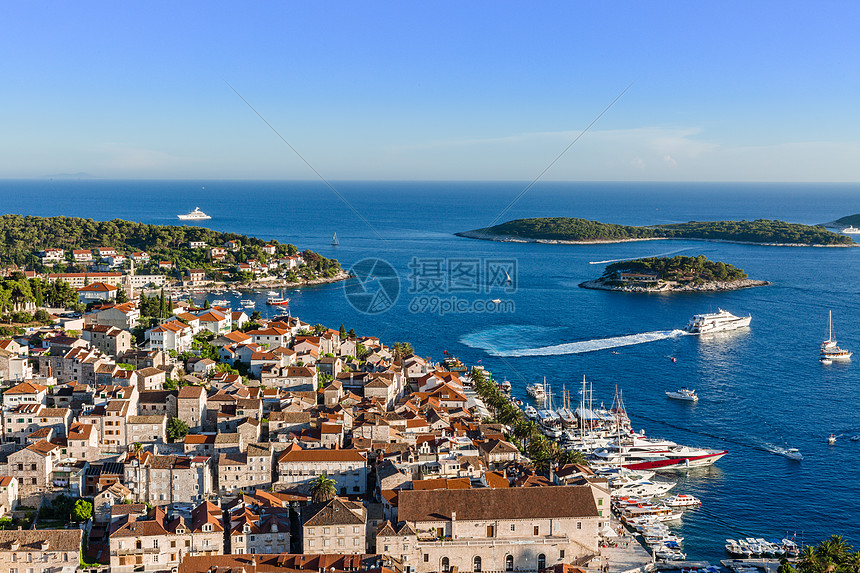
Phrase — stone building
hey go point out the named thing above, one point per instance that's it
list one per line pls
(348, 468)
(337, 526)
(162, 480)
(52, 550)
(191, 407)
(158, 543)
(505, 529)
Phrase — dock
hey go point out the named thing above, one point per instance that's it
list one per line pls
(766, 565)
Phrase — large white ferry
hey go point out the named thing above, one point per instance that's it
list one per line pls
(195, 215)
(851, 230)
(720, 321)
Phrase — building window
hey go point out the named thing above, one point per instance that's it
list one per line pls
(509, 563)
(561, 554)
(579, 525)
(541, 564)
(537, 530)
(476, 564)
(446, 565)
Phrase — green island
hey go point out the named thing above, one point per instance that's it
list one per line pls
(847, 221)
(676, 274)
(23, 238)
(573, 230)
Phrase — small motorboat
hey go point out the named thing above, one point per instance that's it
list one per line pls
(792, 454)
(831, 440)
(683, 393)
(855, 438)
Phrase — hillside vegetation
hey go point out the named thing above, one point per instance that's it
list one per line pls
(22, 237)
(678, 268)
(573, 229)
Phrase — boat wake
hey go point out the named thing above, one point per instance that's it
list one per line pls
(570, 347)
(638, 257)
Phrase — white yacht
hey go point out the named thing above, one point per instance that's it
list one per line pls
(830, 352)
(792, 454)
(195, 215)
(850, 230)
(683, 394)
(537, 390)
(720, 321)
(247, 303)
(682, 500)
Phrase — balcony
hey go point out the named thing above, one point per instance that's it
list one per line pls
(432, 541)
(126, 552)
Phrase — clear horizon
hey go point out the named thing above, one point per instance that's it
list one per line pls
(728, 92)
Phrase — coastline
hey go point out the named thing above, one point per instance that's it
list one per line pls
(668, 287)
(513, 239)
(252, 286)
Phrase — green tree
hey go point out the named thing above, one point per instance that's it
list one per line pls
(322, 488)
(402, 350)
(176, 429)
(361, 352)
(121, 296)
(832, 555)
(82, 511)
(256, 316)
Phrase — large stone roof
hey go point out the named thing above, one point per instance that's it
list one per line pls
(503, 503)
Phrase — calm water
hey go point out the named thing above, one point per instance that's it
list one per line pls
(759, 389)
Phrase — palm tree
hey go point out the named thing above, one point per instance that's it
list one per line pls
(322, 488)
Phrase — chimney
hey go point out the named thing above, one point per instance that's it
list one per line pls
(453, 524)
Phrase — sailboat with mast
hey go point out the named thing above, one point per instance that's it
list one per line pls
(830, 351)
(334, 241)
(568, 420)
(548, 417)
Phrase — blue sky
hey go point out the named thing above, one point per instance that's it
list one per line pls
(722, 91)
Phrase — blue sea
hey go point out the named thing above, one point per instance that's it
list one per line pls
(760, 389)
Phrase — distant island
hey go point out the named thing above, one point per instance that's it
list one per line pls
(678, 274)
(847, 221)
(583, 231)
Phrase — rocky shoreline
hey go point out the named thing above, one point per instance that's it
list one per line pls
(669, 287)
(515, 239)
(264, 284)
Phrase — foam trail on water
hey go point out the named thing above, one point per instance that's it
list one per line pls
(590, 345)
(631, 258)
